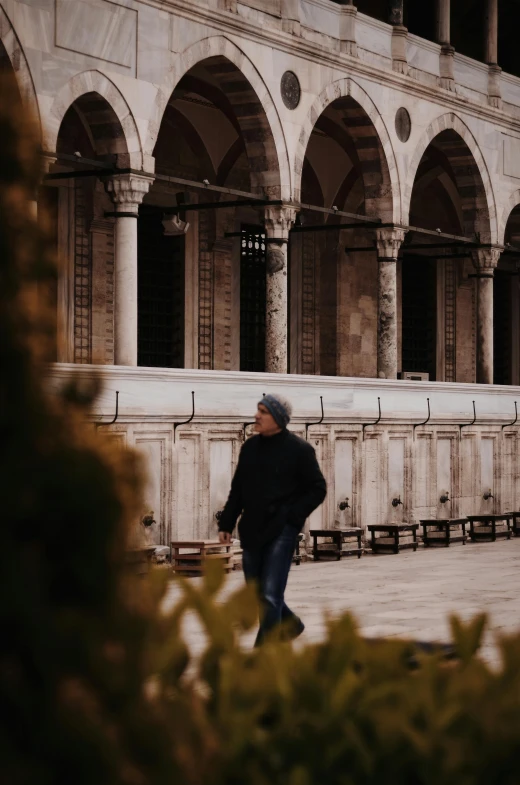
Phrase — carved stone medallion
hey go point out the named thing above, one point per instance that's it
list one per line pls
(403, 124)
(290, 89)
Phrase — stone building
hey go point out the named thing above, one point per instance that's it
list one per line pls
(295, 195)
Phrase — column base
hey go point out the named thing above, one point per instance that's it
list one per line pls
(399, 38)
(494, 91)
(446, 75)
(348, 48)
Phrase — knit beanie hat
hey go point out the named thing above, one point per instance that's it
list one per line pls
(279, 407)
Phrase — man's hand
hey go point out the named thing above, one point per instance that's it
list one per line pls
(224, 538)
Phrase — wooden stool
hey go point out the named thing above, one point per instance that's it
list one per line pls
(188, 557)
(339, 544)
(516, 522)
(488, 526)
(444, 526)
(392, 531)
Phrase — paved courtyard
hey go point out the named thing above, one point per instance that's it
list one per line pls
(410, 594)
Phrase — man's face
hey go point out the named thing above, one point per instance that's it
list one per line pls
(265, 424)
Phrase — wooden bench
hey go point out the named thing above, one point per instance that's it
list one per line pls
(188, 557)
(339, 542)
(439, 531)
(487, 526)
(393, 532)
(516, 522)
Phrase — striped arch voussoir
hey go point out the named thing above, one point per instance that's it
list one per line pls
(512, 202)
(16, 55)
(378, 164)
(475, 189)
(112, 123)
(251, 102)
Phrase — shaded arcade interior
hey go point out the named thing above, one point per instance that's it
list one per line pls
(201, 272)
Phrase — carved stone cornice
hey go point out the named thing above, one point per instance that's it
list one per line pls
(235, 24)
(388, 243)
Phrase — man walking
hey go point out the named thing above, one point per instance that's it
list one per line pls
(276, 486)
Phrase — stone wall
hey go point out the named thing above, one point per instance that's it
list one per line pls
(190, 470)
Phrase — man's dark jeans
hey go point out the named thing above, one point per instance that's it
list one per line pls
(268, 566)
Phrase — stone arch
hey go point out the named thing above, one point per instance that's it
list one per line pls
(512, 203)
(104, 107)
(471, 174)
(378, 164)
(255, 111)
(16, 55)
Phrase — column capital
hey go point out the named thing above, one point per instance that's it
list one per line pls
(388, 242)
(128, 190)
(485, 259)
(279, 220)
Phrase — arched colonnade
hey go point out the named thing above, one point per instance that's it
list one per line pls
(323, 257)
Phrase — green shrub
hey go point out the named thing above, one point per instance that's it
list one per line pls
(74, 631)
(97, 685)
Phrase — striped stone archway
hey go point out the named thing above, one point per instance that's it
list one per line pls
(107, 113)
(368, 132)
(512, 203)
(253, 107)
(471, 175)
(16, 55)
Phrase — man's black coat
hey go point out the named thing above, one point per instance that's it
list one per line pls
(277, 481)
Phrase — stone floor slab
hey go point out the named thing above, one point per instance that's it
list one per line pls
(409, 594)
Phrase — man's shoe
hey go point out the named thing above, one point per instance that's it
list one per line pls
(293, 629)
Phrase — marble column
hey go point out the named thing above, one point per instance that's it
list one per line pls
(127, 192)
(491, 54)
(388, 242)
(443, 33)
(396, 12)
(485, 261)
(443, 22)
(278, 223)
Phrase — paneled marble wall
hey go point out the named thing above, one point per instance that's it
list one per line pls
(189, 472)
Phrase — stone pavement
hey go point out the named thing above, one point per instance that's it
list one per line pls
(409, 594)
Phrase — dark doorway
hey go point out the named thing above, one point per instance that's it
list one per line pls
(252, 299)
(419, 311)
(503, 327)
(419, 18)
(160, 293)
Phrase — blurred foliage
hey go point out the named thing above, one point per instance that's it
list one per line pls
(97, 685)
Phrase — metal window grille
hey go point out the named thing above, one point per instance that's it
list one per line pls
(82, 278)
(419, 315)
(252, 299)
(160, 293)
